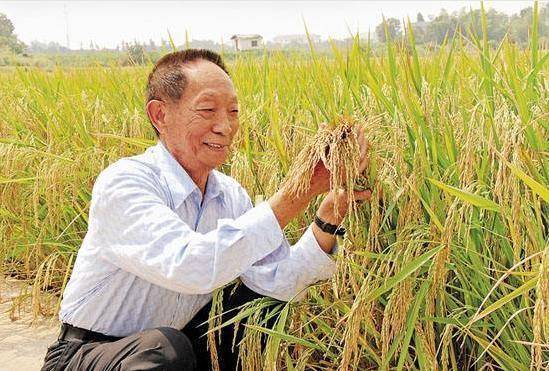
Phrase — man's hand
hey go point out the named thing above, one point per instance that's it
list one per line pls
(327, 211)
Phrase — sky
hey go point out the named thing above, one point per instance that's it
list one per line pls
(108, 23)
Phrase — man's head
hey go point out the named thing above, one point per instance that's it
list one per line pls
(193, 107)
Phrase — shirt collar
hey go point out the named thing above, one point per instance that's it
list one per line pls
(179, 181)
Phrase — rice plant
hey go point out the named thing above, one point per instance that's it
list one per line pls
(446, 268)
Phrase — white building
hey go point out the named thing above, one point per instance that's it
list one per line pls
(247, 42)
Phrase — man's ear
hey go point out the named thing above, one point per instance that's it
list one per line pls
(156, 110)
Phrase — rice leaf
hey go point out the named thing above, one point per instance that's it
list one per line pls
(468, 197)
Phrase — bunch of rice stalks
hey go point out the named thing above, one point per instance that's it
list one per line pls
(336, 146)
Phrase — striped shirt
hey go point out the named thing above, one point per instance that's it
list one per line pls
(156, 248)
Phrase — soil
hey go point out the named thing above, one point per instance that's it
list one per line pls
(24, 341)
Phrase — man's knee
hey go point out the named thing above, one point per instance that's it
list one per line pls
(172, 346)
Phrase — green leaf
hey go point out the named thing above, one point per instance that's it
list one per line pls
(507, 298)
(408, 269)
(536, 187)
(17, 180)
(411, 322)
(286, 337)
(274, 344)
(172, 43)
(468, 197)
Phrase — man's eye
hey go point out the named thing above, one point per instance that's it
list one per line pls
(206, 109)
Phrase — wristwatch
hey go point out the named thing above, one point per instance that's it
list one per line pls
(329, 228)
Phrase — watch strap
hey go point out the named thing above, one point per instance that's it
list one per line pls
(329, 228)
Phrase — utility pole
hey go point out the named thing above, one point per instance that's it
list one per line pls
(66, 25)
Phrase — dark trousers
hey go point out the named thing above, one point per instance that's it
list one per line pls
(161, 348)
(227, 358)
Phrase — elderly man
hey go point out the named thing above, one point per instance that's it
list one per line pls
(166, 229)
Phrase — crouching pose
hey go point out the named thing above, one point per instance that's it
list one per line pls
(166, 229)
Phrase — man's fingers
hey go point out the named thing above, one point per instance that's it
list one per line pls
(364, 150)
(363, 147)
(364, 159)
(361, 196)
(360, 137)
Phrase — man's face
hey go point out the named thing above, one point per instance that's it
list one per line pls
(199, 129)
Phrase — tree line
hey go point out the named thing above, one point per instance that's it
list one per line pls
(437, 28)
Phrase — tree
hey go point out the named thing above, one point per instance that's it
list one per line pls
(50, 47)
(7, 38)
(420, 18)
(497, 23)
(443, 25)
(520, 24)
(6, 27)
(393, 28)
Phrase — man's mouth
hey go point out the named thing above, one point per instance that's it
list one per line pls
(216, 146)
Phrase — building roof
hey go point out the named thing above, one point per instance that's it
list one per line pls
(251, 36)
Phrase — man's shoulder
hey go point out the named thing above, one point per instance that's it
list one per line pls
(137, 168)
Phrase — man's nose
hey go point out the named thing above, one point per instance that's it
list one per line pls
(222, 126)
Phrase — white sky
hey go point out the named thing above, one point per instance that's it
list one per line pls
(108, 23)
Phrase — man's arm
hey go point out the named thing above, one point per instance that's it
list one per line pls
(132, 227)
(289, 270)
(286, 272)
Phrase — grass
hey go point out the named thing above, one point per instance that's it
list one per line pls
(446, 268)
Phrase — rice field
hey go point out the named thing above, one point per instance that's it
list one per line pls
(446, 269)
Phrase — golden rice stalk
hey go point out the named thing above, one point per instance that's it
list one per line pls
(336, 145)
(541, 314)
(249, 349)
(361, 313)
(426, 346)
(215, 320)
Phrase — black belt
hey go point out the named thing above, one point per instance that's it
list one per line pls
(70, 332)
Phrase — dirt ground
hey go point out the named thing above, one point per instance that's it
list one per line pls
(22, 344)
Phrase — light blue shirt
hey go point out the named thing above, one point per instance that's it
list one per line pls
(155, 251)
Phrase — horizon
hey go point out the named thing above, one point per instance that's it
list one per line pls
(76, 21)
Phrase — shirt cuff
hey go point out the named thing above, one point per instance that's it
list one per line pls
(316, 258)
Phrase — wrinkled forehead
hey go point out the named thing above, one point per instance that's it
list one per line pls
(205, 78)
